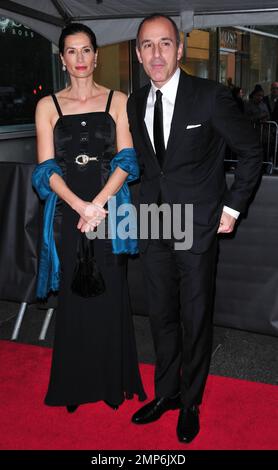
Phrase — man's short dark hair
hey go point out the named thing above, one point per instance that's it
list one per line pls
(155, 16)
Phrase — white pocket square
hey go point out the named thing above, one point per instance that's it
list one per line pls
(192, 126)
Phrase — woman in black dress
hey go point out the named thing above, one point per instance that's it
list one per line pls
(94, 356)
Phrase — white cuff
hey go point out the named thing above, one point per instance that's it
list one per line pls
(231, 211)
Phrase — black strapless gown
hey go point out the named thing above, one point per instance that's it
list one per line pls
(94, 356)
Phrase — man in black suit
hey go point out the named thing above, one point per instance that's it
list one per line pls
(179, 125)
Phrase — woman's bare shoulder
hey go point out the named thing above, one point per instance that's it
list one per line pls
(45, 104)
(120, 96)
(119, 102)
(46, 111)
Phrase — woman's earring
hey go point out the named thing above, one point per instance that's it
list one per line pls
(95, 64)
(64, 68)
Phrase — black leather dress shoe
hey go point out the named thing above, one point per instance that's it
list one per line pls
(72, 408)
(155, 409)
(188, 424)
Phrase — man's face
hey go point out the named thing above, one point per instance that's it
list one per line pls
(158, 50)
(274, 89)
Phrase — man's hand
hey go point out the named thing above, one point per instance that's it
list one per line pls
(227, 223)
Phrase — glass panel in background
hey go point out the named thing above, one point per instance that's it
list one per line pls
(197, 54)
(29, 71)
(263, 61)
(113, 67)
(229, 45)
(248, 58)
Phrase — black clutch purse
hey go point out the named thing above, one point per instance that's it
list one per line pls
(87, 279)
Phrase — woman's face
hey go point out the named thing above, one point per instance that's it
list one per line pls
(79, 56)
(258, 96)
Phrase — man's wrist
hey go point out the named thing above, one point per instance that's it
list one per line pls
(231, 212)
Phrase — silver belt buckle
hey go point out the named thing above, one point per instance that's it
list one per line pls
(83, 159)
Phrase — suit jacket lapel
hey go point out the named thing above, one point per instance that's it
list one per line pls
(182, 111)
(141, 110)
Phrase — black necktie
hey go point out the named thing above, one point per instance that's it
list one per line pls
(158, 135)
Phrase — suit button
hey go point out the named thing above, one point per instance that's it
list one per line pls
(162, 173)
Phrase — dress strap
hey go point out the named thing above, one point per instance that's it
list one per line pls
(57, 105)
(109, 101)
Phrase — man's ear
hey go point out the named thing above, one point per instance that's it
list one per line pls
(139, 55)
(180, 51)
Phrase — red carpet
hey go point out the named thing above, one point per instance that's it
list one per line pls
(236, 414)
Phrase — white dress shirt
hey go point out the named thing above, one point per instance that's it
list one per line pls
(169, 93)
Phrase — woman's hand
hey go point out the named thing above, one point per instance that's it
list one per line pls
(91, 215)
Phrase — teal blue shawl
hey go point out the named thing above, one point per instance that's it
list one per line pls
(49, 265)
(127, 161)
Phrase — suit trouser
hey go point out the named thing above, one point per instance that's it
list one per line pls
(180, 293)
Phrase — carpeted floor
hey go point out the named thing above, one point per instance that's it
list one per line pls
(236, 414)
(237, 354)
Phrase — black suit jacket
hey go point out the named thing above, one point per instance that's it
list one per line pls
(272, 113)
(193, 170)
